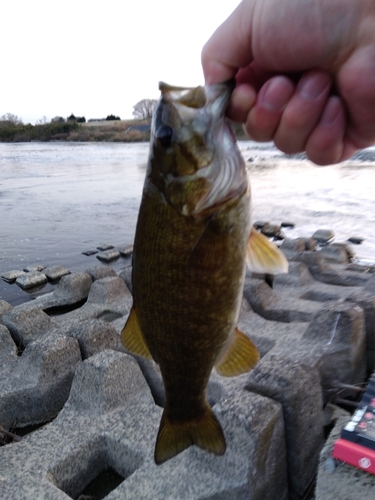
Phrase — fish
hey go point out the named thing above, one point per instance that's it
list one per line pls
(193, 239)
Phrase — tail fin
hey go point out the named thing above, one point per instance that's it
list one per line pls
(173, 437)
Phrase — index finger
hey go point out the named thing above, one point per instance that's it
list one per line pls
(229, 48)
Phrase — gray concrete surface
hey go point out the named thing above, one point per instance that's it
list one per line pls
(315, 329)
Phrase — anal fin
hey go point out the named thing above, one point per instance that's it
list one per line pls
(240, 357)
(174, 437)
(132, 338)
(262, 256)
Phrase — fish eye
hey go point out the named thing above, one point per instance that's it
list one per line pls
(164, 135)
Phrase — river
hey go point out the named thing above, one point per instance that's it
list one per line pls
(59, 199)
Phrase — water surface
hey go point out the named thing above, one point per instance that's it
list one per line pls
(60, 199)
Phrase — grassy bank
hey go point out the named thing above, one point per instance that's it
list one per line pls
(106, 131)
(109, 131)
(10, 132)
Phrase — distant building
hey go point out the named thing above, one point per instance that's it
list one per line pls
(57, 119)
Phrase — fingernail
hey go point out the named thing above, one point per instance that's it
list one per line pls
(311, 86)
(331, 111)
(275, 94)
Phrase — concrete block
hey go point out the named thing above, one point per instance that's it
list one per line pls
(11, 276)
(126, 275)
(105, 246)
(152, 374)
(271, 230)
(258, 224)
(107, 290)
(126, 251)
(297, 285)
(99, 272)
(87, 436)
(111, 421)
(89, 252)
(337, 335)
(357, 240)
(7, 346)
(94, 336)
(72, 473)
(104, 382)
(38, 382)
(337, 480)
(33, 268)
(289, 224)
(109, 299)
(323, 236)
(72, 288)
(33, 488)
(108, 255)
(311, 335)
(297, 389)
(253, 466)
(290, 247)
(272, 306)
(334, 276)
(119, 323)
(55, 273)
(310, 244)
(255, 417)
(339, 253)
(4, 308)
(366, 301)
(322, 271)
(26, 325)
(370, 285)
(298, 275)
(267, 334)
(314, 260)
(31, 280)
(361, 268)
(259, 295)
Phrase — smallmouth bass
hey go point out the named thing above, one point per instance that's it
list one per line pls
(193, 238)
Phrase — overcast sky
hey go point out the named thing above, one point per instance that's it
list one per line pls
(96, 58)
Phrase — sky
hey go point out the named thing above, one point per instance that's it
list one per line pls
(94, 58)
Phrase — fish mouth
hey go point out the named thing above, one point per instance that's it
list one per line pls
(214, 97)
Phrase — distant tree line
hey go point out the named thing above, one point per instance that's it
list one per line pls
(10, 119)
(18, 132)
(142, 110)
(77, 119)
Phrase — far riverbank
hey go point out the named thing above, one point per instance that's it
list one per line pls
(95, 131)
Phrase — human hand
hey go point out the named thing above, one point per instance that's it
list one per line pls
(305, 73)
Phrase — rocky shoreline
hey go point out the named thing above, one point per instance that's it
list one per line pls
(64, 369)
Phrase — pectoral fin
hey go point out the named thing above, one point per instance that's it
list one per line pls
(206, 256)
(132, 338)
(241, 356)
(262, 256)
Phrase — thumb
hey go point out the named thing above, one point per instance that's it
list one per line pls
(230, 46)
